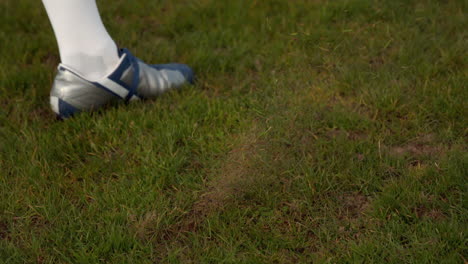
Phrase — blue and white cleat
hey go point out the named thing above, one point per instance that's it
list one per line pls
(132, 80)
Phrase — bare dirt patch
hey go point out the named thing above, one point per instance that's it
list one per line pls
(432, 213)
(351, 135)
(422, 146)
(4, 231)
(351, 216)
(415, 149)
(228, 182)
(146, 225)
(233, 176)
(353, 205)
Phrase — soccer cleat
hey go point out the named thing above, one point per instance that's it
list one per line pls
(131, 80)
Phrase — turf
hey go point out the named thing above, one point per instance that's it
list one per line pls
(319, 131)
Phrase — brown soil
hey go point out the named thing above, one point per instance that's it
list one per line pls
(227, 183)
(434, 214)
(4, 232)
(354, 205)
(230, 179)
(422, 146)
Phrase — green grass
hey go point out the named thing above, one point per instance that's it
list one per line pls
(319, 131)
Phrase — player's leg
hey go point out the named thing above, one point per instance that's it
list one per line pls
(93, 71)
(83, 41)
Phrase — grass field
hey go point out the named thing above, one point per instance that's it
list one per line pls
(319, 132)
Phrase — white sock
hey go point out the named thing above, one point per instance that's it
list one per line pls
(83, 41)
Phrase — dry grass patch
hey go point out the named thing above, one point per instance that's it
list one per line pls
(229, 182)
(234, 176)
(146, 226)
(431, 213)
(354, 205)
(422, 146)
